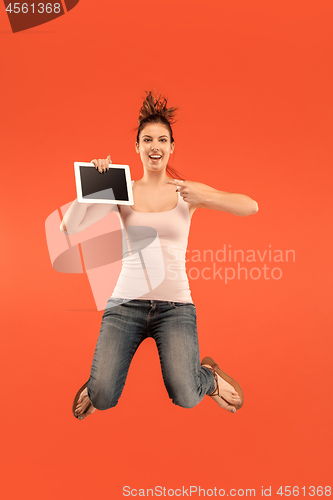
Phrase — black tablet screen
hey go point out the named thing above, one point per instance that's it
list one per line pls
(108, 186)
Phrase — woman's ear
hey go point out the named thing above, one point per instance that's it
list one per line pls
(172, 147)
(137, 147)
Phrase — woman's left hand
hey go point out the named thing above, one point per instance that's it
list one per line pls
(191, 191)
(201, 195)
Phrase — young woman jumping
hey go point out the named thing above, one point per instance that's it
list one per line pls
(165, 311)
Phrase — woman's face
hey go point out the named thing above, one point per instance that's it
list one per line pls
(155, 146)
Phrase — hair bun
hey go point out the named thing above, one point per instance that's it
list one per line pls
(156, 105)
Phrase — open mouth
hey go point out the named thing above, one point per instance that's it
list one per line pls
(155, 157)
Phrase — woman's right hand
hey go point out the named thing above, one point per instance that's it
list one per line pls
(102, 165)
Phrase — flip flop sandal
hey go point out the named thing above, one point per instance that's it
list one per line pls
(77, 398)
(216, 370)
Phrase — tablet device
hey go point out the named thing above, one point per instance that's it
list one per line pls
(114, 186)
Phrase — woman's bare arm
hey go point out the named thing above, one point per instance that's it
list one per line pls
(79, 216)
(233, 203)
(200, 195)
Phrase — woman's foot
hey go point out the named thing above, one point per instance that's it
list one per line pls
(83, 407)
(225, 393)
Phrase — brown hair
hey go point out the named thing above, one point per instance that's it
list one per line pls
(154, 110)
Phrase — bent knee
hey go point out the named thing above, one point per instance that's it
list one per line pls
(186, 400)
(101, 404)
(103, 399)
(185, 405)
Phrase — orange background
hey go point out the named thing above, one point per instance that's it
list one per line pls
(253, 82)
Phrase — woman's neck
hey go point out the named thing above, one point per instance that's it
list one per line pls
(154, 179)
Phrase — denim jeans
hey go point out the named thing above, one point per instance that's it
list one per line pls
(173, 326)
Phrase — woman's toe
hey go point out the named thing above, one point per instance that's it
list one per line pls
(227, 406)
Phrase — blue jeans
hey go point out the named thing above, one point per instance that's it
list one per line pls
(173, 327)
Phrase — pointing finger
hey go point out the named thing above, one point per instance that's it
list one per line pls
(173, 182)
(179, 183)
